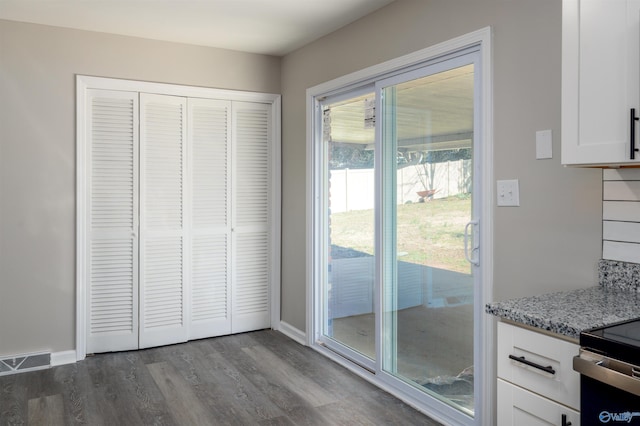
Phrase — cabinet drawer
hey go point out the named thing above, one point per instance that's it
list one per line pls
(517, 406)
(534, 350)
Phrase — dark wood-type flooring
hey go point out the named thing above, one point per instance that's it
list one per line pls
(259, 378)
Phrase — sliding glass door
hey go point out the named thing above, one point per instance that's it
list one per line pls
(349, 196)
(397, 199)
(427, 199)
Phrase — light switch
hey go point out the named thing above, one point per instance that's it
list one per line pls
(508, 193)
(544, 144)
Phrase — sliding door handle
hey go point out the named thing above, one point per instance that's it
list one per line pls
(472, 255)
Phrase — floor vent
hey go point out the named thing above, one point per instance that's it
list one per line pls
(22, 363)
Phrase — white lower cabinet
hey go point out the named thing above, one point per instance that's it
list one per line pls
(520, 407)
(536, 381)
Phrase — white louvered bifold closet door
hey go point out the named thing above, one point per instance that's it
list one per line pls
(112, 221)
(210, 134)
(251, 197)
(163, 246)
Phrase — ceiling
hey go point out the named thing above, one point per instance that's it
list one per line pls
(272, 27)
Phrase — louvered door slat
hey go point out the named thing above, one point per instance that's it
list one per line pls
(163, 286)
(210, 133)
(209, 279)
(252, 164)
(251, 239)
(112, 194)
(251, 284)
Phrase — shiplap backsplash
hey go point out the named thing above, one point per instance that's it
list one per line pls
(621, 215)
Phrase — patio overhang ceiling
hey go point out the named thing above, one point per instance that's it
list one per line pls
(436, 113)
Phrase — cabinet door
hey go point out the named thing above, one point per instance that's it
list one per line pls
(111, 221)
(209, 128)
(600, 80)
(163, 250)
(252, 138)
(517, 406)
(562, 386)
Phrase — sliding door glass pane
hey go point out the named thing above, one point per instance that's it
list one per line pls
(427, 134)
(348, 134)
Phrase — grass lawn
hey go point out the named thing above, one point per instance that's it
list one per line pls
(430, 233)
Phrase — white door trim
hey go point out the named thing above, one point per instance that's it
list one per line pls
(83, 83)
(484, 326)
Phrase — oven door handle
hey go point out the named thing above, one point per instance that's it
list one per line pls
(598, 369)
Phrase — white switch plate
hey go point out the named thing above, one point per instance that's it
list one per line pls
(544, 144)
(508, 193)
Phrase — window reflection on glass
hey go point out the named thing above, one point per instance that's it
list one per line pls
(349, 131)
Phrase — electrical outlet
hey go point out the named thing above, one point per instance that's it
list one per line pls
(508, 193)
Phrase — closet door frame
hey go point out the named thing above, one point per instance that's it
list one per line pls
(83, 84)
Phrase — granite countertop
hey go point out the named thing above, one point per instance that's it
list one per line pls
(615, 299)
(569, 312)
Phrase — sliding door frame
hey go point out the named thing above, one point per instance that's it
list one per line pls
(483, 326)
(334, 344)
(83, 84)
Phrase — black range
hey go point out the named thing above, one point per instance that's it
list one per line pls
(609, 367)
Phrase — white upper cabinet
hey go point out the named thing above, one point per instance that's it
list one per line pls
(600, 81)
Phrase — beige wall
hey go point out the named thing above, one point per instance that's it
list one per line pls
(38, 65)
(552, 242)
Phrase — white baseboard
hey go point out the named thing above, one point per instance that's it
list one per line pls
(293, 333)
(64, 357)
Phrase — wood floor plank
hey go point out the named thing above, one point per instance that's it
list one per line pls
(389, 409)
(240, 390)
(333, 377)
(286, 399)
(115, 381)
(13, 400)
(184, 405)
(220, 386)
(278, 369)
(73, 382)
(41, 384)
(261, 378)
(46, 411)
(230, 345)
(307, 416)
(140, 386)
(277, 421)
(340, 381)
(343, 412)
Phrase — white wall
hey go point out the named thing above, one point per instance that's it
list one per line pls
(38, 65)
(552, 241)
(621, 215)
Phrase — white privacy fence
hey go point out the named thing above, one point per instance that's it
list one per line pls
(353, 189)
